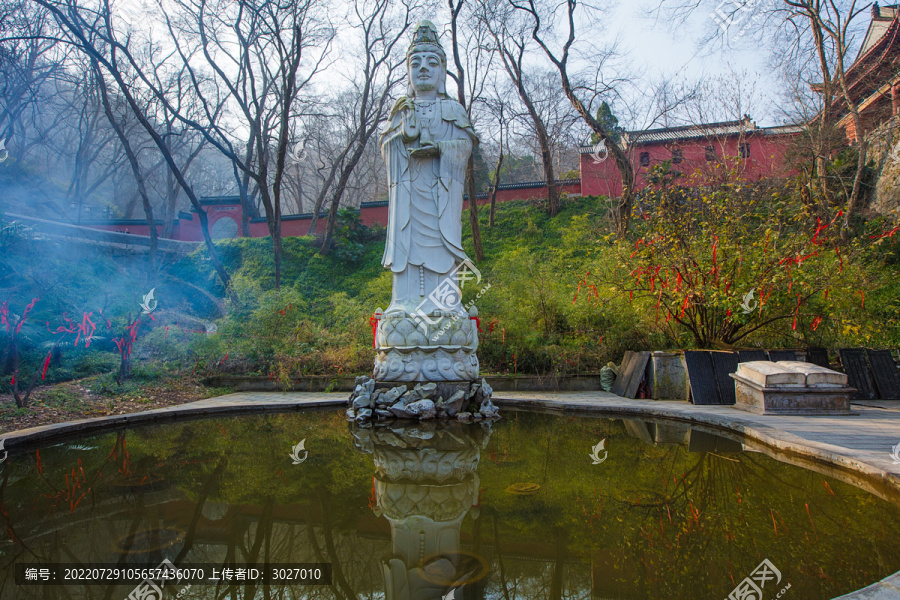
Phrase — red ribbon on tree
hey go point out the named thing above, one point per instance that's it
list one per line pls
(373, 321)
(887, 234)
(477, 323)
(46, 365)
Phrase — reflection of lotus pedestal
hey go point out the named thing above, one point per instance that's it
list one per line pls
(425, 484)
(425, 368)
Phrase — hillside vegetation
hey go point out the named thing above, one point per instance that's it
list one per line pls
(556, 296)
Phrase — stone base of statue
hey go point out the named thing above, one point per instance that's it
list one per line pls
(379, 401)
(425, 368)
(426, 348)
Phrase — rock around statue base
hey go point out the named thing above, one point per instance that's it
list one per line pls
(384, 401)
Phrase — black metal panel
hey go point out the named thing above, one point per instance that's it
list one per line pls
(776, 355)
(724, 363)
(818, 356)
(751, 355)
(857, 369)
(885, 374)
(702, 377)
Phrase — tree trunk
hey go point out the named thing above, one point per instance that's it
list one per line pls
(549, 175)
(461, 97)
(132, 161)
(546, 152)
(124, 368)
(494, 188)
(339, 189)
(323, 193)
(473, 208)
(854, 205)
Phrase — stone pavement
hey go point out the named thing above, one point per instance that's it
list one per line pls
(886, 589)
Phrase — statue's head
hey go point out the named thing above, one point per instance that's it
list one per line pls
(426, 62)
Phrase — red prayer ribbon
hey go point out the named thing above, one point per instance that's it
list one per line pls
(46, 365)
(374, 323)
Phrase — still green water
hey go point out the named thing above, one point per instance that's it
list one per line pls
(531, 507)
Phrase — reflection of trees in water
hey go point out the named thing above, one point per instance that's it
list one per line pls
(201, 463)
(654, 520)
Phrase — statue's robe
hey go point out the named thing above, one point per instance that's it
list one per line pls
(424, 232)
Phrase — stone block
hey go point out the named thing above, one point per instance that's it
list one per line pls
(423, 409)
(767, 374)
(667, 376)
(816, 376)
(764, 387)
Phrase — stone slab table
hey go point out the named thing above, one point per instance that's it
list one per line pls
(791, 388)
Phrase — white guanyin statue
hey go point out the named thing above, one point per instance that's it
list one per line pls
(426, 334)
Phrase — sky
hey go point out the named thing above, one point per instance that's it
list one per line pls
(662, 48)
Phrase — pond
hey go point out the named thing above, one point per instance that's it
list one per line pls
(535, 506)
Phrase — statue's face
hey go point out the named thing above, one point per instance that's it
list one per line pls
(425, 71)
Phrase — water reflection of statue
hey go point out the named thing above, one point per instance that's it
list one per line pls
(425, 484)
(426, 147)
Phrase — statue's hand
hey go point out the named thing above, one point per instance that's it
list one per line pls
(426, 151)
(404, 103)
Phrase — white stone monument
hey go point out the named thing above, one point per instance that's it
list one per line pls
(426, 335)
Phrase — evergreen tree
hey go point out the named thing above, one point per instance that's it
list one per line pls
(610, 124)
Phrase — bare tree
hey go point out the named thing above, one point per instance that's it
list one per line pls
(511, 36)
(470, 77)
(29, 58)
(381, 29)
(813, 41)
(560, 58)
(131, 156)
(254, 49)
(93, 161)
(92, 32)
(498, 107)
(829, 23)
